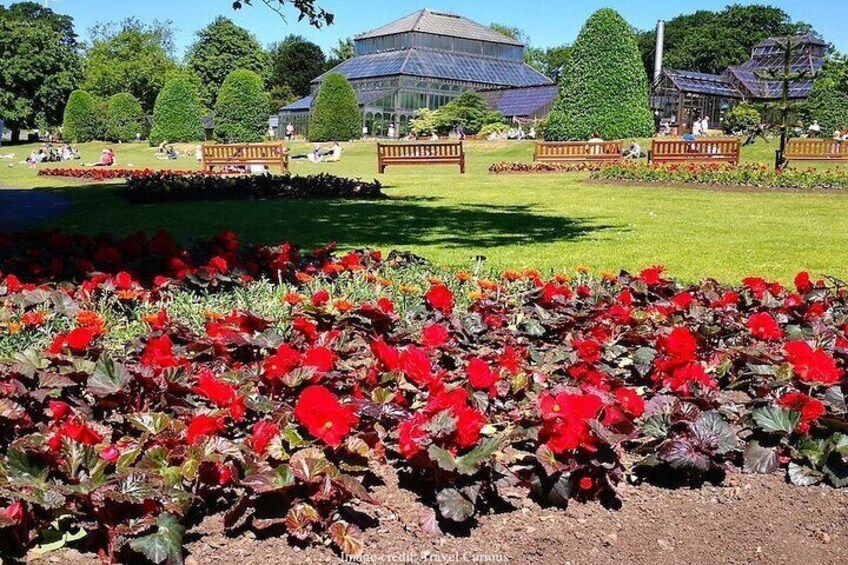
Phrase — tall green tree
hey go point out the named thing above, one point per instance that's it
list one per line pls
(130, 56)
(344, 50)
(124, 118)
(828, 102)
(335, 116)
(241, 111)
(468, 111)
(295, 62)
(34, 11)
(82, 122)
(39, 68)
(178, 113)
(604, 88)
(221, 48)
(709, 42)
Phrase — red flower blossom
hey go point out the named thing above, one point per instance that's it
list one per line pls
(201, 426)
(802, 282)
(810, 409)
(629, 401)
(680, 344)
(652, 275)
(58, 409)
(480, 375)
(385, 305)
(80, 432)
(416, 365)
(261, 435)
(159, 353)
(110, 454)
(434, 336)
(319, 411)
(440, 298)
(764, 326)
(14, 513)
(387, 355)
(812, 366)
(588, 350)
(320, 298)
(411, 435)
(683, 378)
(78, 339)
(281, 363)
(321, 359)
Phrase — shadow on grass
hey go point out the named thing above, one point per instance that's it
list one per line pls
(388, 223)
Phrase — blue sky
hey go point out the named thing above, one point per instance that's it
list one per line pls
(548, 22)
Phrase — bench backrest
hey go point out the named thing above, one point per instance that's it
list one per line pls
(822, 148)
(706, 147)
(576, 149)
(434, 150)
(235, 153)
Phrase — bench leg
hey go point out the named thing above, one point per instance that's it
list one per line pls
(462, 167)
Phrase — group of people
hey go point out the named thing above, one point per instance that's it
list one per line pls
(49, 153)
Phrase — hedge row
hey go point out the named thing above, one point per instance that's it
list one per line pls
(167, 187)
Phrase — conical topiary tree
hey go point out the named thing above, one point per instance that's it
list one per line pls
(335, 114)
(124, 117)
(178, 113)
(603, 88)
(81, 121)
(241, 112)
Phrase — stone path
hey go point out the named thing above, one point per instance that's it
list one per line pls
(25, 209)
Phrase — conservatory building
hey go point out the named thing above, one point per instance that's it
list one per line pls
(422, 60)
(680, 97)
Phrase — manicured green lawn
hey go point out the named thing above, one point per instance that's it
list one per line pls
(549, 221)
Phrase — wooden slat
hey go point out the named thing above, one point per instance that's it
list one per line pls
(700, 150)
(244, 154)
(419, 153)
(799, 149)
(577, 151)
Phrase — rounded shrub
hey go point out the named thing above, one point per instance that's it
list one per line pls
(604, 88)
(742, 117)
(81, 121)
(178, 113)
(241, 111)
(335, 114)
(124, 117)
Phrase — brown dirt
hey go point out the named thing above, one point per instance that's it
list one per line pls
(749, 519)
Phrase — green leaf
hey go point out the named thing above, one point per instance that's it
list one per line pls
(11, 410)
(656, 426)
(442, 424)
(759, 459)
(711, 429)
(454, 505)
(109, 377)
(442, 458)
(165, 545)
(776, 420)
(802, 476)
(467, 464)
(554, 489)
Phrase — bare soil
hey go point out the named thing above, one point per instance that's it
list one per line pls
(749, 519)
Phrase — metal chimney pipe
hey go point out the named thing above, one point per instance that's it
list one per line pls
(658, 59)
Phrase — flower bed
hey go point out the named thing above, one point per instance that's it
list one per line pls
(725, 175)
(516, 167)
(138, 391)
(100, 174)
(167, 187)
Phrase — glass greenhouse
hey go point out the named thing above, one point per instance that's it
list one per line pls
(422, 60)
(681, 97)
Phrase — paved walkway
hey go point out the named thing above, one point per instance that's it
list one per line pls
(25, 209)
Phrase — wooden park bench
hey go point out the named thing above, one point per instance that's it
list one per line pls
(577, 151)
(435, 153)
(798, 149)
(245, 155)
(705, 150)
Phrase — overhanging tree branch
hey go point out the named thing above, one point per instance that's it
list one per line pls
(307, 10)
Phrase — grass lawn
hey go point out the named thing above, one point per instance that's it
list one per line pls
(549, 221)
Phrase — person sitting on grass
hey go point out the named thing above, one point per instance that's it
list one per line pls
(634, 151)
(335, 154)
(315, 156)
(107, 159)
